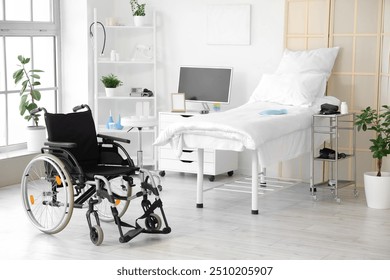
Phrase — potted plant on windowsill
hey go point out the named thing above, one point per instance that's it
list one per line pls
(377, 184)
(29, 95)
(111, 82)
(138, 11)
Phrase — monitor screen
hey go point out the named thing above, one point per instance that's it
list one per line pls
(205, 84)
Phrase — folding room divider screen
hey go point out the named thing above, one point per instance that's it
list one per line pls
(362, 72)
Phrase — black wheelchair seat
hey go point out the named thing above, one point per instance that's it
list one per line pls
(108, 171)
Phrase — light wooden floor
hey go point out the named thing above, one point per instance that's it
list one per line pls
(290, 226)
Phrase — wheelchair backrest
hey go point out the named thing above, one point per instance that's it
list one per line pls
(78, 128)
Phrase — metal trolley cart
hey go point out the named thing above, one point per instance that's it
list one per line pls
(332, 127)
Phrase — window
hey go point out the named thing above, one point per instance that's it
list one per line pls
(31, 31)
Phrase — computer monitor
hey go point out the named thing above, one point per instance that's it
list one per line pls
(206, 84)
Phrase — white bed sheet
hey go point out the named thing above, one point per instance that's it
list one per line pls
(275, 137)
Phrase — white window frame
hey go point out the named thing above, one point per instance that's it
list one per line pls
(33, 29)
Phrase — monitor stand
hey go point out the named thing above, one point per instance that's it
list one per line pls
(206, 108)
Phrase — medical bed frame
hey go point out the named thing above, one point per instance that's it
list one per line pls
(255, 180)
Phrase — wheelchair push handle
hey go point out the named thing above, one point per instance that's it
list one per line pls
(80, 107)
(37, 110)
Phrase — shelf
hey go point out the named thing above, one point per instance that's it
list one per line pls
(126, 27)
(340, 184)
(126, 98)
(332, 160)
(151, 62)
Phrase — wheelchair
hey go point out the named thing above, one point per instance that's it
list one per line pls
(75, 170)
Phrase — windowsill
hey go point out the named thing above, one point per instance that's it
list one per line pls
(15, 154)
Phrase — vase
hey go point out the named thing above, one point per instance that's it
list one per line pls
(377, 190)
(139, 20)
(110, 92)
(36, 137)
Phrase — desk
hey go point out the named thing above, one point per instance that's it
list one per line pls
(215, 161)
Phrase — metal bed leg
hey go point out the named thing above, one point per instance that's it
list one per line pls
(263, 182)
(255, 203)
(199, 181)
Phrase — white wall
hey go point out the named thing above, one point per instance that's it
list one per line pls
(182, 41)
(182, 30)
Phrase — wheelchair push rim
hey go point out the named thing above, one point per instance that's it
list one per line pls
(47, 193)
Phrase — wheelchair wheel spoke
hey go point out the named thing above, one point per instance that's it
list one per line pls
(47, 194)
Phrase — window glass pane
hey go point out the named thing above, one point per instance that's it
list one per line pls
(44, 59)
(18, 10)
(15, 46)
(42, 52)
(48, 102)
(42, 10)
(2, 66)
(1, 11)
(17, 127)
(2, 121)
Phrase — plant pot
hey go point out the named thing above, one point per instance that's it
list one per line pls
(36, 137)
(139, 20)
(377, 190)
(111, 92)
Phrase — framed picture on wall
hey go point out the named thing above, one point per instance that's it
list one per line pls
(178, 102)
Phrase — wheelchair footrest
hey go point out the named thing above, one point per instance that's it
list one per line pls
(130, 235)
(165, 230)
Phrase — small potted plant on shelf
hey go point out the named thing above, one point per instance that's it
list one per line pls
(377, 184)
(29, 95)
(111, 82)
(138, 11)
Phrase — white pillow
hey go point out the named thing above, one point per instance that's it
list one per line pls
(290, 89)
(310, 61)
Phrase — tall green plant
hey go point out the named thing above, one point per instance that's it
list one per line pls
(28, 94)
(137, 9)
(378, 121)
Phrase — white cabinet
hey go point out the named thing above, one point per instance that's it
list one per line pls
(134, 63)
(215, 161)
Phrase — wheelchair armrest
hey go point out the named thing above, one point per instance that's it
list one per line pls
(66, 145)
(109, 139)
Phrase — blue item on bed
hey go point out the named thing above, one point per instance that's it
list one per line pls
(271, 112)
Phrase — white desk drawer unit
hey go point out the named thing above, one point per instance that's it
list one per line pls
(215, 161)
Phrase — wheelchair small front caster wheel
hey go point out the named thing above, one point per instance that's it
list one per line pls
(230, 173)
(96, 234)
(161, 173)
(212, 178)
(153, 222)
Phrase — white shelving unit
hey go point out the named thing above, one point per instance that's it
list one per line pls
(134, 73)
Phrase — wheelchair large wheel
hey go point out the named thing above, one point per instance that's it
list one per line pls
(47, 193)
(118, 187)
